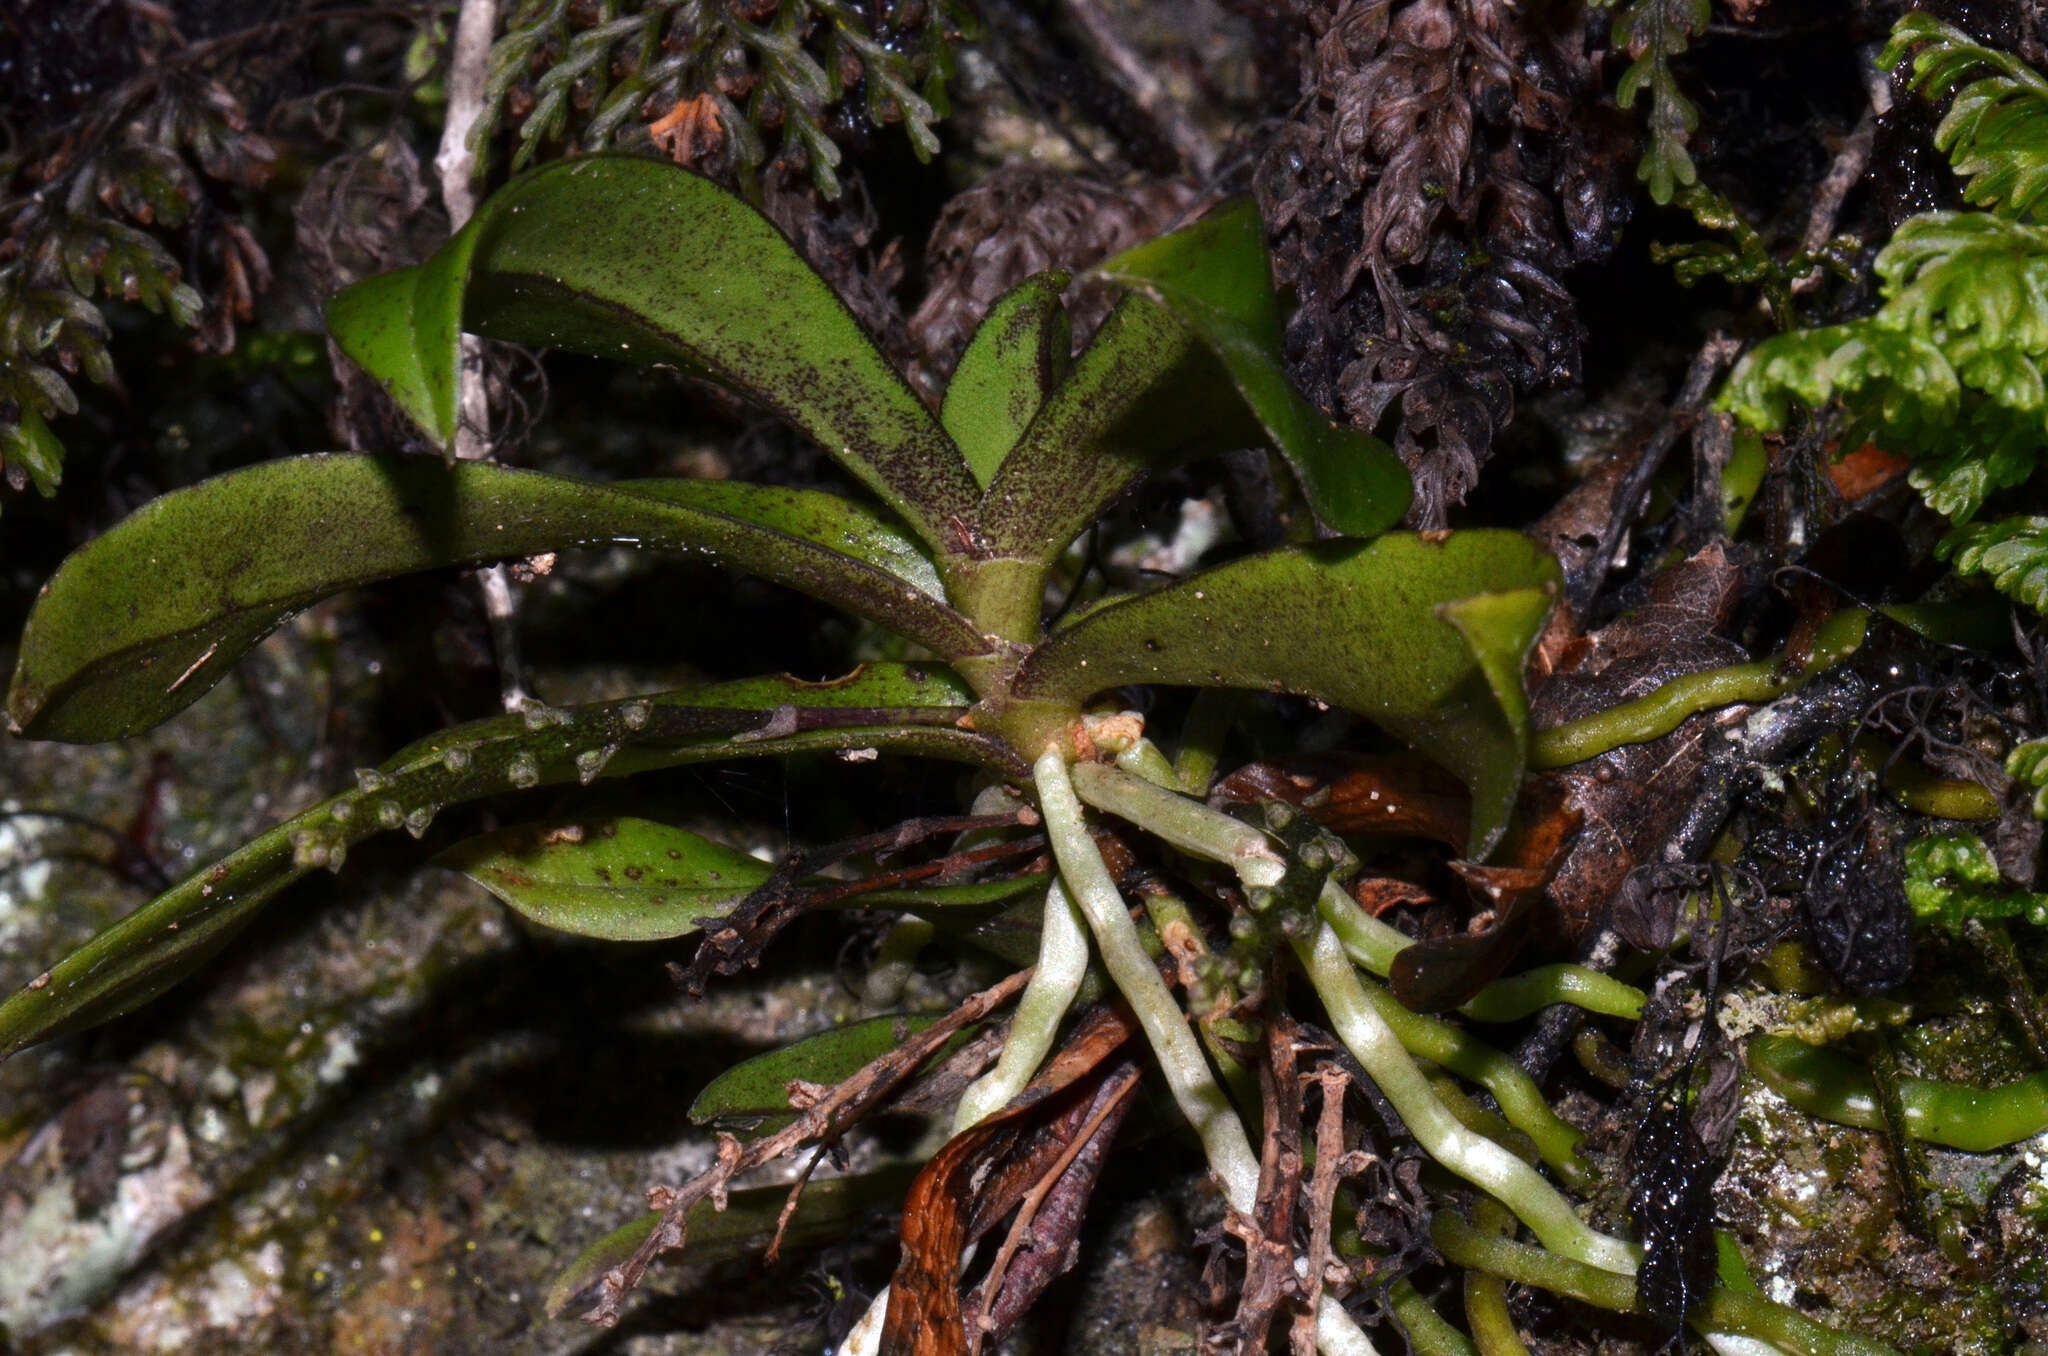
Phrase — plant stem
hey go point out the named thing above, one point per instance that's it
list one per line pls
(1725, 1312)
(1374, 945)
(1062, 961)
(1664, 710)
(455, 164)
(1224, 1143)
(1196, 829)
(1183, 940)
(1836, 1088)
(1187, 824)
(1474, 1157)
(1486, 1294)
(1521, 1101)
(1203, 832)
(1431, 1333)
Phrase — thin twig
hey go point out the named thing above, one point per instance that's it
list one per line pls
(1632, 493)
(825, 1118)
(1322, 1198)
(1146, 90)
(455, 163)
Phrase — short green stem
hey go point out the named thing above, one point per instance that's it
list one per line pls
(1166, 1029)
(1661, 712)
(1062, 962)
(1835, 1088)
(1725, 1311)
(1473, 1157)
(1429, 1331)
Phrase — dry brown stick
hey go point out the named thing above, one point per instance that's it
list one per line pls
(1633, 491)
(1110, 1100)
(455, 164)
(1322, 1198)
(830, 1115)
(1132, 73)
(1269, 1279)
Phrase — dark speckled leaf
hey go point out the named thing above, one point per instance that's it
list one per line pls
(617, 878)
(141, 622)
(1017, 355)
(890, 708)
(754, 1093)
(1144, 395)
(1393, 629)
(1214, 276)
(639, 260)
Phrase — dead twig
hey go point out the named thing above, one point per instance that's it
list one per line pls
(1631, 495)
(1269, 1280)
(824, 1119)
(1322, 1197)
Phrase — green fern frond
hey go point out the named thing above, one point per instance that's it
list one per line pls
(599, 75)
(1950, 369)
(1652, 32)
(1996, 129)
(2012, 552)
(2028, 765)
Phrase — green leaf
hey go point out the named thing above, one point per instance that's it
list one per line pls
(2012, 551)
(2028, 764)
(639, 260)
(633, 880)
(405, 330)
(1952, 877)
(919, 898)
(895, 708)
(616, 878)
(139, 623)
(846, 526)
(29, 444)
(1362, 626)
(754, 1094)
(1142, 396)
(830, 1208)
(1017, 356)
(1214, 276)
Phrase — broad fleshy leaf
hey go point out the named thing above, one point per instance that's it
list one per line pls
(639, 260)
(1144, 395)
(136, 625)
(633, 880)
(1017, 356)
(753, 1095)
(616, 878)
(1398, 630)
(1215, 277)
(892, 708)
(829, 1208)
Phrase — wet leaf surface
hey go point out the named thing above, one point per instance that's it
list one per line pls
(1213, 275)
(620, 879)
(1362, 626)
(142, 621)
(641, 261)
